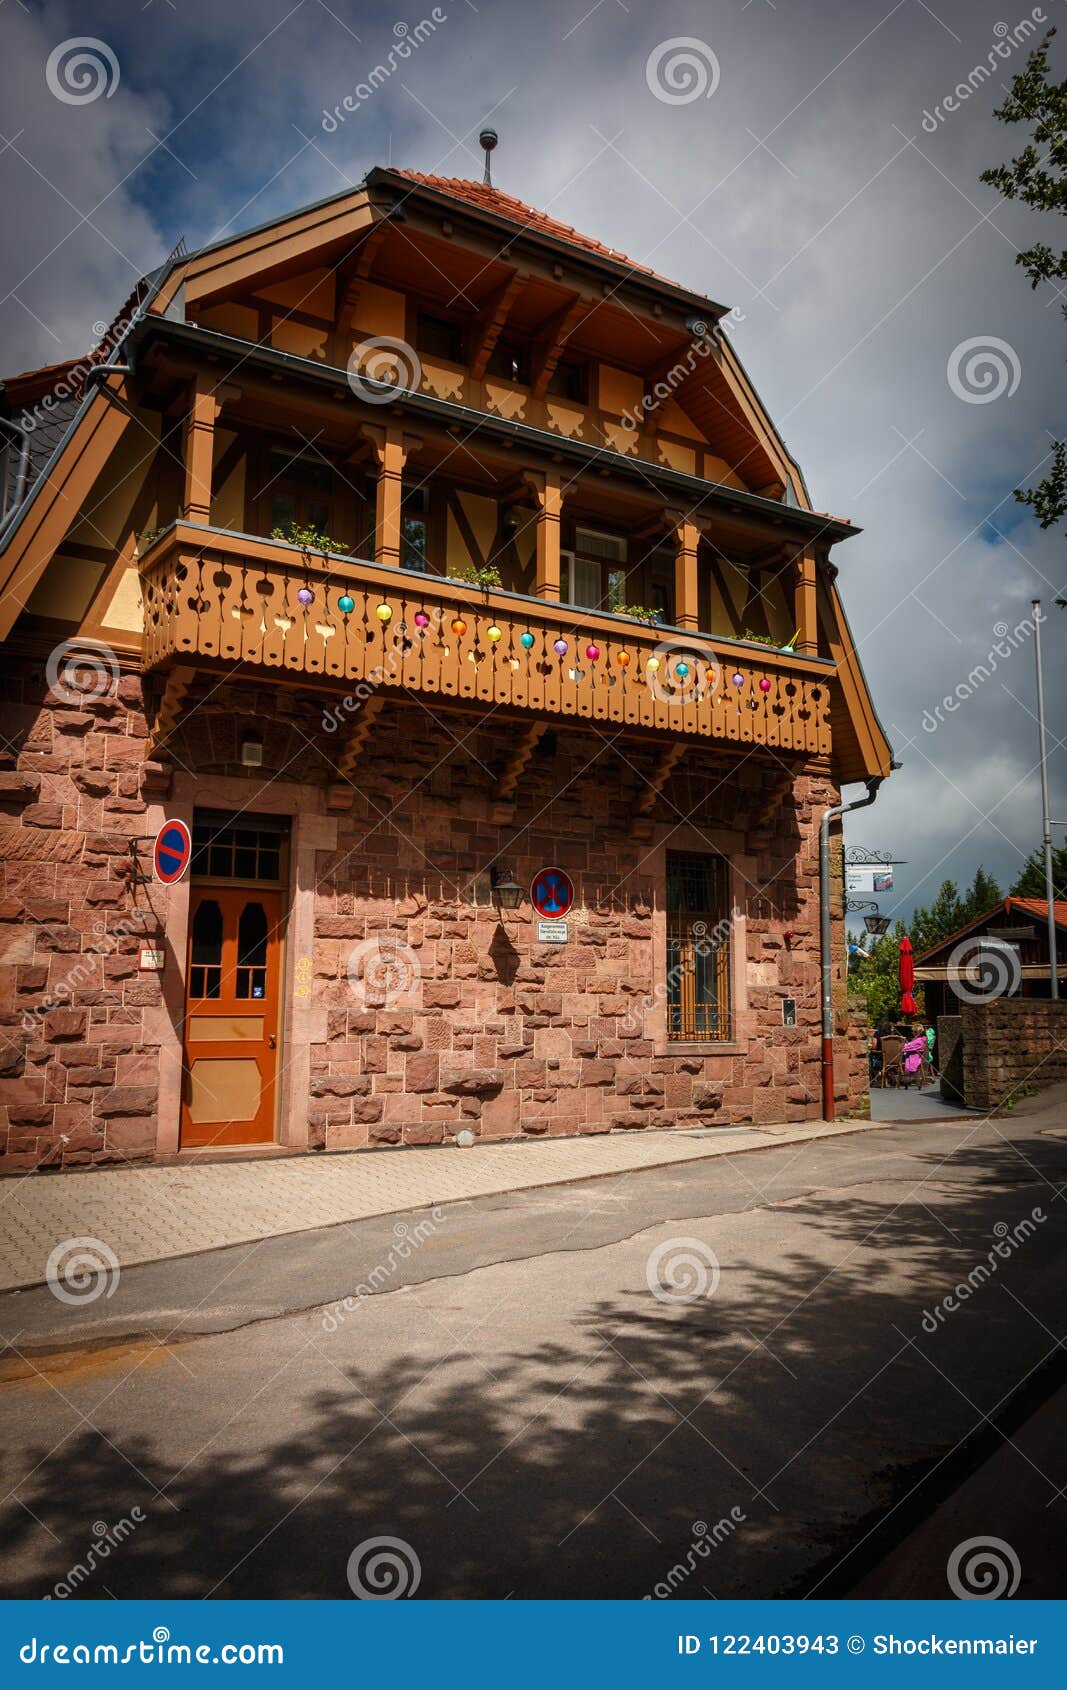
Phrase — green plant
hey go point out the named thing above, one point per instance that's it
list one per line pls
(309, 539)
(639, 612)
(147, 537)
(759, 639)
(483, 575)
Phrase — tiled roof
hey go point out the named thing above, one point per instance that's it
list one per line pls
(526, 217)
(1039, 907)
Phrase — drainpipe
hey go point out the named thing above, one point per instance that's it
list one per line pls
(831, 815)
(21, 471)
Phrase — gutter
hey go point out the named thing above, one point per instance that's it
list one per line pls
(825, 951)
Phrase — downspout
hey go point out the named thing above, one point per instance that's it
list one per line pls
(831, 815)
(21, 472)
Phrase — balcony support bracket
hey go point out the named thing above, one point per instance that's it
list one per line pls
(669, 759)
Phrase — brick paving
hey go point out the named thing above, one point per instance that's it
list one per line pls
(147, 1214)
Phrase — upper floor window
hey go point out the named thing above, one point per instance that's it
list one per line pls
(299, 492)
(415, 529)
(593, 575)
(439, 337)
(510, 359)
(570, 380)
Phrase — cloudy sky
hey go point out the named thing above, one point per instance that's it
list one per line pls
(814, 180)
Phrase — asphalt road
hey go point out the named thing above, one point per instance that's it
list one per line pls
(507, 1396)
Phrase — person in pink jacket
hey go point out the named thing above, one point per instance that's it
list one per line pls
(914, 1051)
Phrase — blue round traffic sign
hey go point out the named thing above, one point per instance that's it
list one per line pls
(172, 851)
(552, 893)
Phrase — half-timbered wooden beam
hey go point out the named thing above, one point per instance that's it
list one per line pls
(169, 710)
(518, 757)
(551, 340)
(670, 757)
(492, 320)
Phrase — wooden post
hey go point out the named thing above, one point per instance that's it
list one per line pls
(549, 498)
(390, 451)
(686, 576)
(199, 450)
(805, 613)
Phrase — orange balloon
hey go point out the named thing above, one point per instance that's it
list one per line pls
(459, 626)
(623, 659)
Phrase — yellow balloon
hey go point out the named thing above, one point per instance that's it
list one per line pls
(384, 613)
(653, 664)
(493, 633)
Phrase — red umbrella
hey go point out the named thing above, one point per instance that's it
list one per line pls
(908, 1006)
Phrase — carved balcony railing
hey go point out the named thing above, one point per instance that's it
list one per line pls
(230, 600)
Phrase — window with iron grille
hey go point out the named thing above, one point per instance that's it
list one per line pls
(698, 946)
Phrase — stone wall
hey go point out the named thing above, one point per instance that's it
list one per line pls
(1010, 1044)
(430, 1012)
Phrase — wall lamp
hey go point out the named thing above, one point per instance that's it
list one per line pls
(505, 888)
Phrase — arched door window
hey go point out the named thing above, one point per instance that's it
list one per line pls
(252, 952)
(205, 962)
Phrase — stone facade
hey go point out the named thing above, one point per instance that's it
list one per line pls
(427, 1011)
(1010, 1044)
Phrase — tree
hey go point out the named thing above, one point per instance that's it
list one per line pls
(877, 975)
(1038, 177)
(1031, 882)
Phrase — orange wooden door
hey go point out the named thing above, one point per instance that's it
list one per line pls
(231, 1016)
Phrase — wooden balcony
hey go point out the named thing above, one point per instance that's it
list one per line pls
(222, 600)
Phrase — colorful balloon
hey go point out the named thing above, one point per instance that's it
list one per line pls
(421, 619)
(459, 626)
(306, 596)
(560, 647)
(346, 603)
(526, 640)
(384, 613)
(592, 652)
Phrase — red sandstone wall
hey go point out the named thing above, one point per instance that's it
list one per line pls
(496, 1033)
(1011, 1045)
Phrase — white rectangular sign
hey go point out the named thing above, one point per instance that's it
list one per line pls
(552, 933)
(872, 877)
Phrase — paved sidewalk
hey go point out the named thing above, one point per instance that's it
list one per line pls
(150, 1214)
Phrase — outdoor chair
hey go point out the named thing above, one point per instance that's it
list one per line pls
(892, 1061)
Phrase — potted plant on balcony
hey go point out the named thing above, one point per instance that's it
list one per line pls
(639, 613)
(483, 575)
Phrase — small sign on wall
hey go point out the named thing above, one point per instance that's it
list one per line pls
(552, 933)
(150, 961)
(789, 1012)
